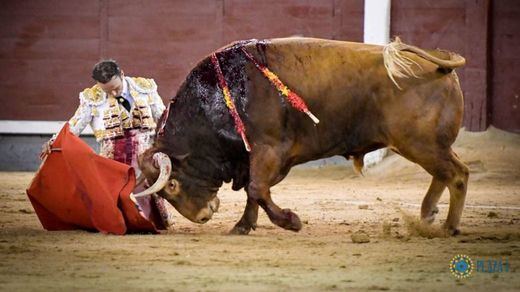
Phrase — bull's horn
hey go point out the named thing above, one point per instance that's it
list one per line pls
(165, 167)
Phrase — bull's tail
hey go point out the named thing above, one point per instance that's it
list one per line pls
(399, 65)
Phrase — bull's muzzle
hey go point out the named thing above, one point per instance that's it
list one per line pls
(205, 214)
(165, 167)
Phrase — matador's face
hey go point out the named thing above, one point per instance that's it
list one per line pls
(114, 87)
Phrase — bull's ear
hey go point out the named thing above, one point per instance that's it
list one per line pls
(173, 188)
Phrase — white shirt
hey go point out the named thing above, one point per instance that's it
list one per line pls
(126, 93)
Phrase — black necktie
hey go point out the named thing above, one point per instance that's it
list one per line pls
(124, 102)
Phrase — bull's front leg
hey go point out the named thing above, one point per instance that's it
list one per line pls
(265, 165)
(248, 220)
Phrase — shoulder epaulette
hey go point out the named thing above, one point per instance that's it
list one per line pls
(143, 85)
(93, 95)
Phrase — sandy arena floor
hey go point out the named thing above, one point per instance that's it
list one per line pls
(332, 202)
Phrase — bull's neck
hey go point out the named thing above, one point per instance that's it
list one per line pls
(206, 170)
(193, 144)
(200, 124)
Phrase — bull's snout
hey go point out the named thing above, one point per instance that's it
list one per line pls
(206, 213)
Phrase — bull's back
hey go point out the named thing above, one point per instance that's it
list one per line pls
(339, 81)
(347, 87)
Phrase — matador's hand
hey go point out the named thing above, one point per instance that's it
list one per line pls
(46, 149)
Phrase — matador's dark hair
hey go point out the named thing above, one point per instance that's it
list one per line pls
(105, 70)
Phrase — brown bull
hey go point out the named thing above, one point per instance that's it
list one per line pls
(366, 97)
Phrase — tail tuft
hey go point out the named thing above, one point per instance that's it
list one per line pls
(399, 65)
(396, 63)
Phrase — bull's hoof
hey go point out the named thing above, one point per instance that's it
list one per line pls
(430, 217)
(242, 229)
(291, 221)
(451, 231)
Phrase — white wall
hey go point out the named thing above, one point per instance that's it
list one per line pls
(35, 127)
(376, 31)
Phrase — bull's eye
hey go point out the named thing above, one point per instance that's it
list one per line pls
(173, 187)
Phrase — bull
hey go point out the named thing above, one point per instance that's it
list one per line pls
(366, 97)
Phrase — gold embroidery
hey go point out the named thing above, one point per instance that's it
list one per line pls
(140, 103)
(145, 117)
(143, 82)
(113, 132)
(116, 120)
(142, 116)
(99, 134)
(93, 94)
(126, 121)
(136, 117)
(112, 101)
(112, 119)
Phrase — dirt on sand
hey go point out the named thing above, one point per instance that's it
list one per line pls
(397, 252)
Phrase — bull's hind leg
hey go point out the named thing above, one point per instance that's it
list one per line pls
(429, 205)
(458, 187)
(447, 170)
(265, 171)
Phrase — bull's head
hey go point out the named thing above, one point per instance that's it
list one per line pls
(192, 197)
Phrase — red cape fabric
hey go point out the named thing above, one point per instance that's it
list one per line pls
(77, 189)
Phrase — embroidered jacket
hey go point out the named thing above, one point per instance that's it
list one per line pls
(109, 119)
